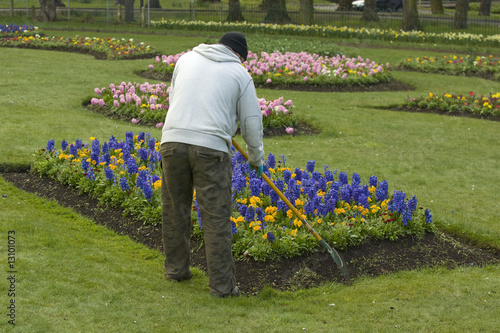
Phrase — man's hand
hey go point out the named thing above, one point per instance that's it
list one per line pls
(258, 170)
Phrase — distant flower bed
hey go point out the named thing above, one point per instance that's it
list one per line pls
(344, 32)
(148, 104)
(345, 213)
(12, 30)
(108, 48)
(302, 68)
(471, 103)
(486, 67)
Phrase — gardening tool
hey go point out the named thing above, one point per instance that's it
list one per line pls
(334, 254)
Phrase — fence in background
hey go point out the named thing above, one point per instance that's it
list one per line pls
(323, 15)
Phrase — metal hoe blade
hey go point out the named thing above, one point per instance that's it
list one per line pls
(334, 254)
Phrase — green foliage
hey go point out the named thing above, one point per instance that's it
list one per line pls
(261, 43)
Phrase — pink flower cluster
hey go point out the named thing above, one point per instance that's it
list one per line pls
(170, 59)
(274, 107)
(138, 100)
(309, 65)
(125, 93)
(298, 66)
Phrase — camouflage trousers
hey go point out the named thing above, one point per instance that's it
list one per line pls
(184, 168)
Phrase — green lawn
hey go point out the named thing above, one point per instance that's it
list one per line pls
(75, 276)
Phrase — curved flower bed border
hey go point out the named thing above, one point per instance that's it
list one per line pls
(100, 48)
(126, 173)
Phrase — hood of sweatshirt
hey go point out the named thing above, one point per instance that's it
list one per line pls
(216, 52)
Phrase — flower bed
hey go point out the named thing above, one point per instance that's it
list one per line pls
(302, 68)
(148, 104)
(13, 30)
(478, 105)
(459, 38)
(486, 67)
(126, 173)
(106, 48)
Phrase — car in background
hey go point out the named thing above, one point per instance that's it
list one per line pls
(382, 5)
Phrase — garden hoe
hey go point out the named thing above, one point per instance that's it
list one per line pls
(334, 254)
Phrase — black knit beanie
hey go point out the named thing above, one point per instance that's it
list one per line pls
(236, 41)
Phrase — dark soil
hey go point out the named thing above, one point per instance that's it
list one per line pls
(370, 259)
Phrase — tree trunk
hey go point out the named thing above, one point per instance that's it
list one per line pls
(484, 8)
(152, 4)
(306, 12)
(344, 5)
(129, 11)
(276, 11)
(437, 7)
(461, 11)
(234, 14)
(48, 10)
(410, 16)
(370, 11)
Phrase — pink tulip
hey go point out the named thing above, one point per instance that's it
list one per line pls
(151, 66)
(289, 130)
(159, 125)
(135, 121)
(116, 103)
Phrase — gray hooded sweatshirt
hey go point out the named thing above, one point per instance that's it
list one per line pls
(210, 92)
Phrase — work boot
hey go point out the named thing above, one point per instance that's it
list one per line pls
(188, 276)
(235, 293)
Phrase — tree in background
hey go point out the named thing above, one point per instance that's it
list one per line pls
(307, 12)
(129, 11)
(276, 11)
(410, 16)
(484, 8)
(461, 10)
(344, 5)
(234, 14)
(437, 7)
(370, 11)
(48, 9)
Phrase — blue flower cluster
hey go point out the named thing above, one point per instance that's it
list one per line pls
(132, 166)
(18, 29)
(140, 171)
